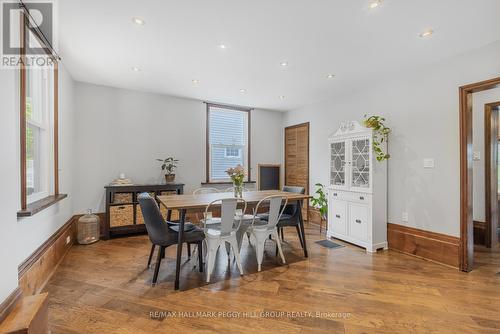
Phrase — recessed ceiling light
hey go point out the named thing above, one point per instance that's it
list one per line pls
(223, 46)
(330, 76)
(284, 63)
(136, 69)
(426, 33)
(243, 90)
(139, 21)
(195, 81)
(374, 4)
(282, 97)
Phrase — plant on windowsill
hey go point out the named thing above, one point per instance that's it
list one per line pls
(168, 166)
(380, 135)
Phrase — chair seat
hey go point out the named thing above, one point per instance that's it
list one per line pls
(214, 232)
(245, 217)
(265, 216)
(188, 227)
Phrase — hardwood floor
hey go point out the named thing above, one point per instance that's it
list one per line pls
(104, 288)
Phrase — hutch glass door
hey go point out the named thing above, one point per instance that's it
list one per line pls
(360, 163)
(337, 163)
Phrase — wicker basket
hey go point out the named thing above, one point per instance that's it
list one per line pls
(122, 215)
(122, 198)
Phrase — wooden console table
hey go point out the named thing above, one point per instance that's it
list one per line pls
(123, 214)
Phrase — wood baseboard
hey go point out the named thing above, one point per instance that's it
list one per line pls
(36, 270)
(479, 232)
(427, 245)
(8, 304)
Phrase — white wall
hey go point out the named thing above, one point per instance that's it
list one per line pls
(479, 196)
(422, 109)
(124, 131)
(20, 237)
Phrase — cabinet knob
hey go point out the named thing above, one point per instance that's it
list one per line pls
(358, 221)
(361, 198)
(338, 216)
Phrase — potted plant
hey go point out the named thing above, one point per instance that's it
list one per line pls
(380, 135)
(320, 203)
(168, 166)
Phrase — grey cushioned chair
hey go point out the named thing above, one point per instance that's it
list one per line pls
(164, 234)
(291, 217)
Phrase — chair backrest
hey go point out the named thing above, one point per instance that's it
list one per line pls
(291, 209)
(228, 213)
(276, 208)
(156, 226)
(205, 190)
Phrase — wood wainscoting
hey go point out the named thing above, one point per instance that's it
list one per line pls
(36, 270)
(427, 245)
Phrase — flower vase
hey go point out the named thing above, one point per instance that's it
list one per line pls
(238, 190)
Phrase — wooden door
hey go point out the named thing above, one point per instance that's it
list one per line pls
(297, 159)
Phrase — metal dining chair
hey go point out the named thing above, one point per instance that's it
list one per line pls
(223, 233)
(268, 228)
(292, 217)
(165, 234)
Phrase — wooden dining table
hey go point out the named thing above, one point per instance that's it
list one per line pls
(199, 202)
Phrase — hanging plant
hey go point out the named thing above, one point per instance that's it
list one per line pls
(380, 135)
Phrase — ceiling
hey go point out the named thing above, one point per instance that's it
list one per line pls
(180, 42)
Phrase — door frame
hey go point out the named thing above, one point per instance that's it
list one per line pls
(491, 111)
(308, 156)
(466, 252)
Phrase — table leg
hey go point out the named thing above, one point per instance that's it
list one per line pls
(179, 247)
(169, 215)
(301, 222)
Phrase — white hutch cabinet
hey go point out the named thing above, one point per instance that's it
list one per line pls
(357, 194)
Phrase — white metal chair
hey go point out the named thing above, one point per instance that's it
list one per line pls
(261, 232)
(217, 235)
(205, 190)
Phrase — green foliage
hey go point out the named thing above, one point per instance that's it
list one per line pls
(168, 165)
(319, 200)
(380, 135)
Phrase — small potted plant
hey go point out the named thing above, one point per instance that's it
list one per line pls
(168, 166)
(320, 203)
(237, 175)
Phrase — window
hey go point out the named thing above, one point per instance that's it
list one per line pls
(227, 141)
(233, 152)
(39, 138)
(38, 128)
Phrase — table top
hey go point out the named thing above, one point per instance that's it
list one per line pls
(202, 200)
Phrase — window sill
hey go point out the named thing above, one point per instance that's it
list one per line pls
(225, 182)
(37, 206)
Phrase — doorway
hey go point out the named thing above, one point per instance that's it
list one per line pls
(297, 159)
(466, 169)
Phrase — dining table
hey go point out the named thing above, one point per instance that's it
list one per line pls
(199, 202)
